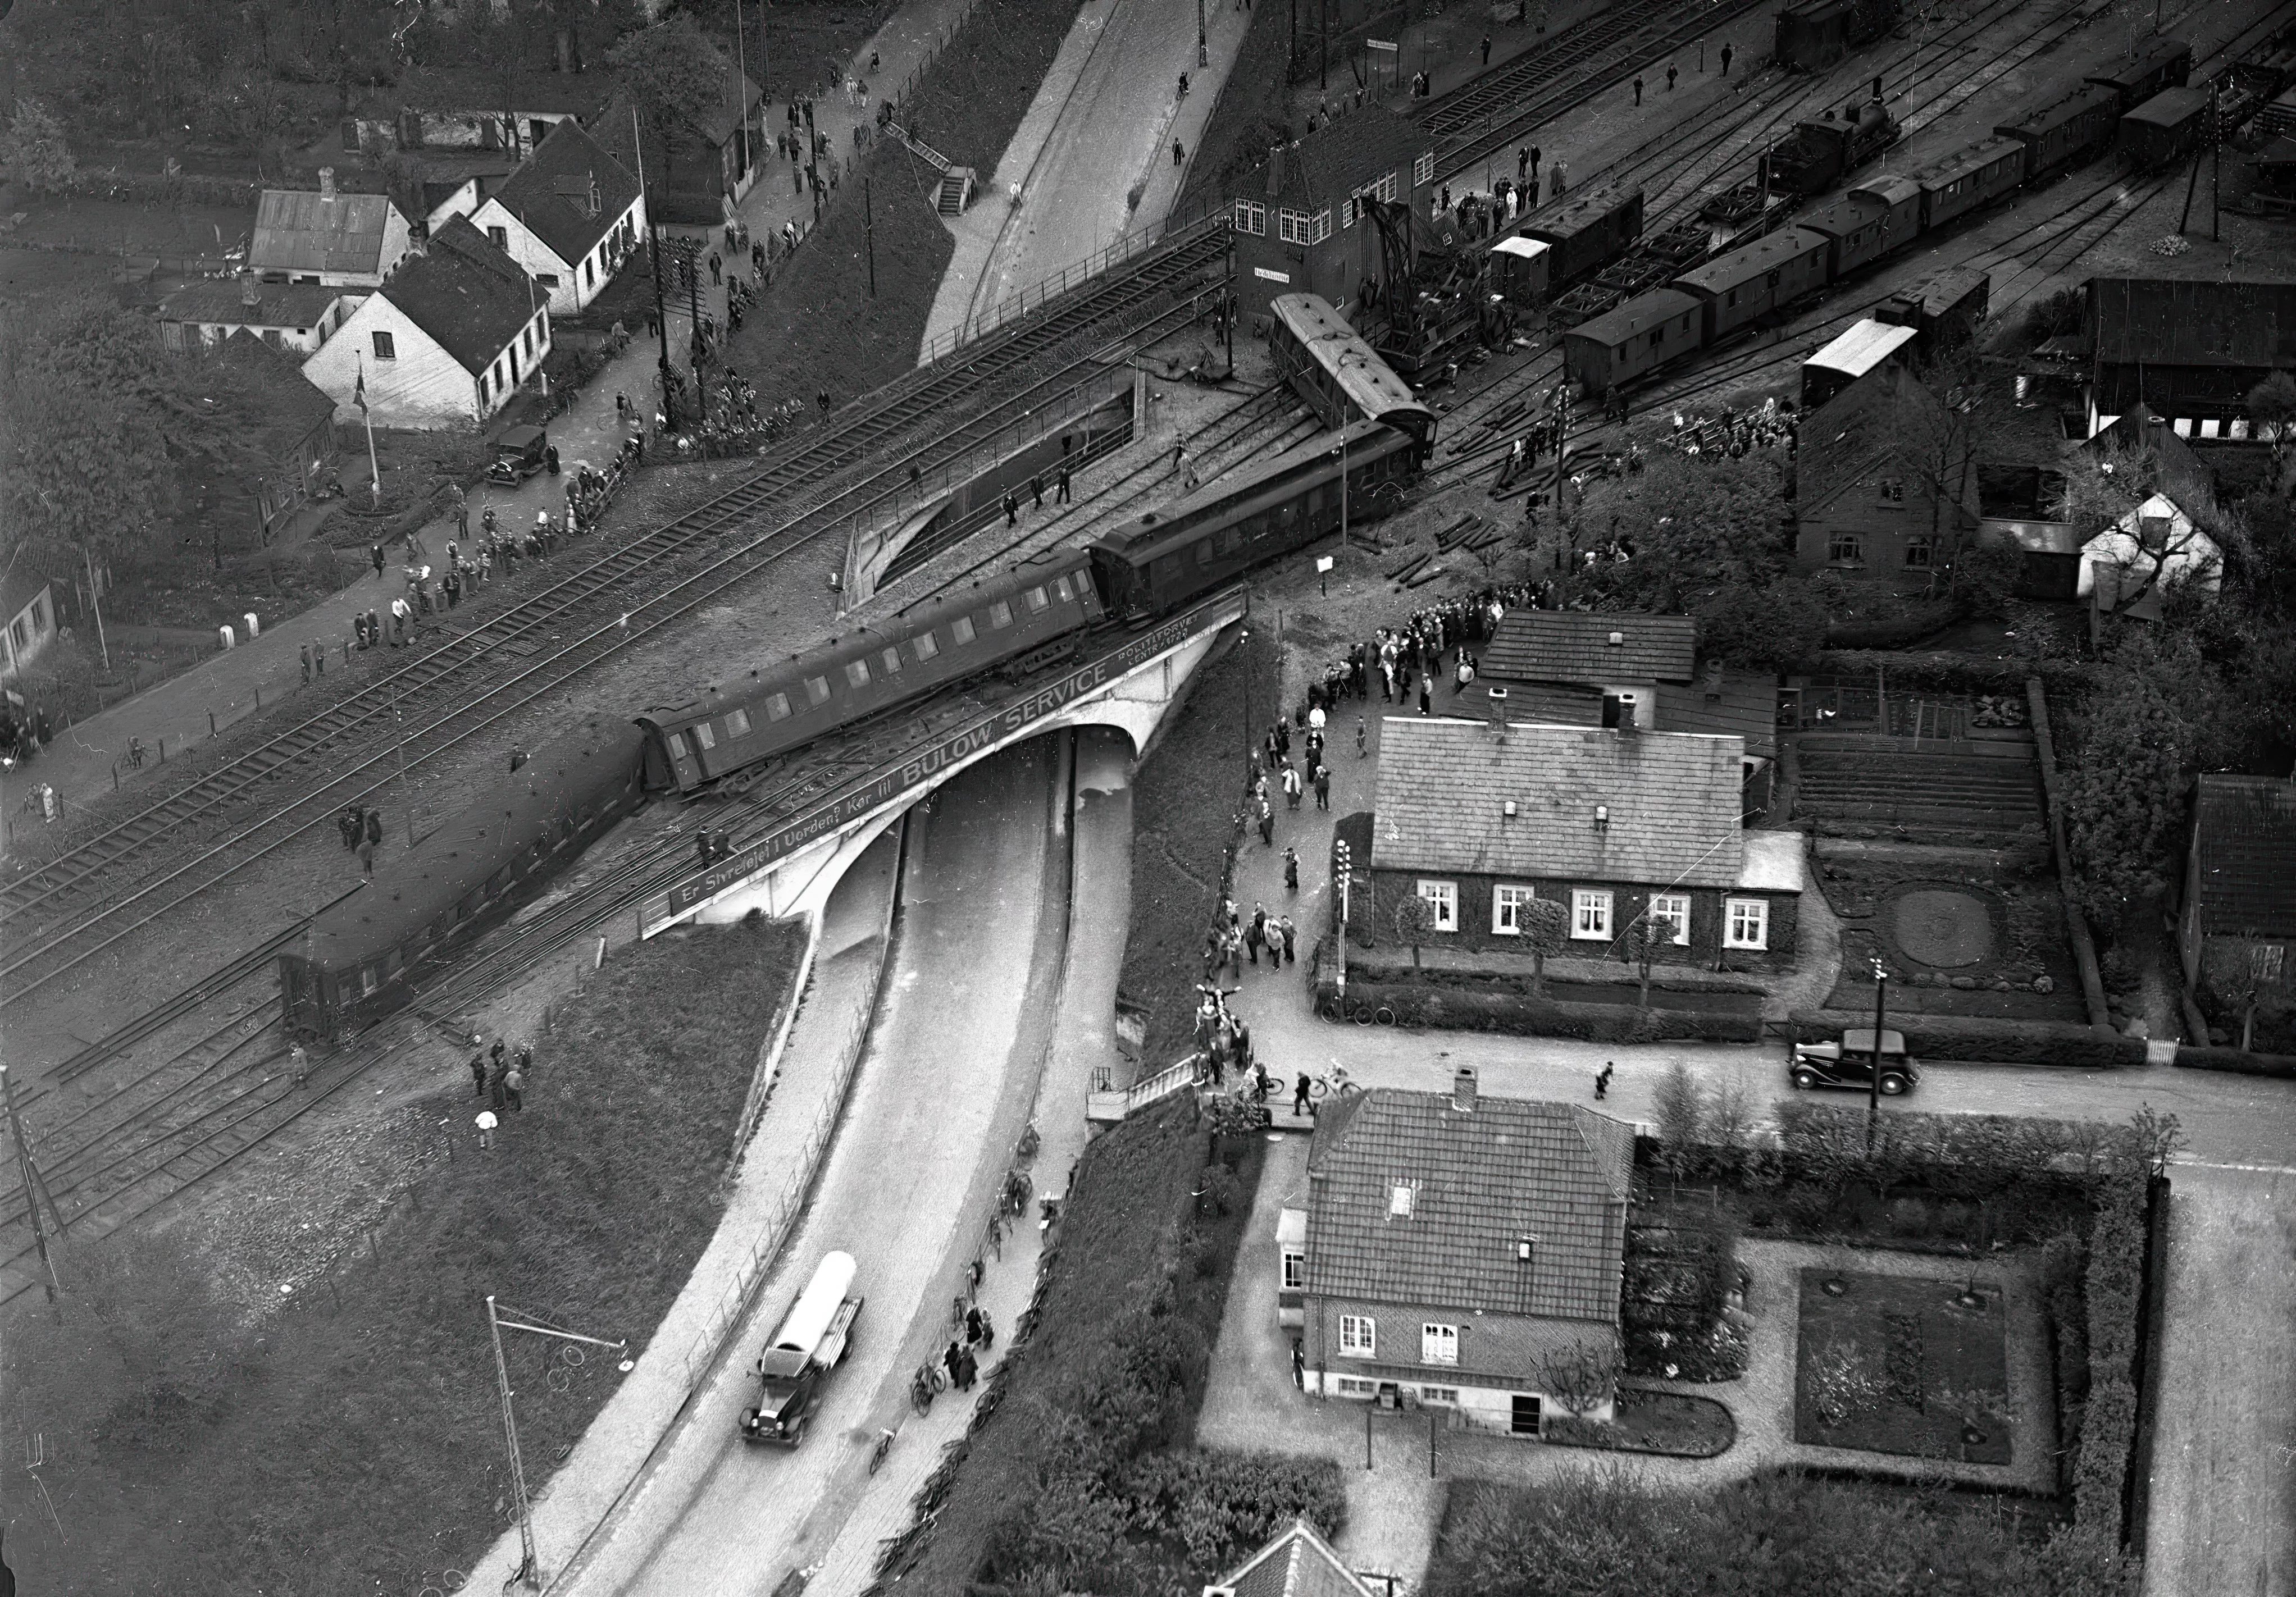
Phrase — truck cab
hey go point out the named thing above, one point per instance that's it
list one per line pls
(813, 1339)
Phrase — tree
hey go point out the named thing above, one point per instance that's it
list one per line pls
(1681, 1110)
(1546, 927)
(1986, 577)
(1765, 628)
(33, 149)
(1414, 923)
(1583, 1377)
(1691, 523)
(2123, 806)
(1645, 936)
(674, 71)
(1933, 422)
(2272, 407)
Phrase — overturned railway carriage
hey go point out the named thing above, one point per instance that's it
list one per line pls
(355, 962)
(1336, 374)
(1016, 621)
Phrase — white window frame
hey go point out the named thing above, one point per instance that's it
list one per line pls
(1444, 1396)
(1422, 170)
(1439, 1344)
(1738, 915)
(1319, 226)
(1358, 1337)
(1676, 907)
(1384, 187)
(1292, 226)
(2265, 962)
(1443, 898)
(1252, 217)
(1507, 898)
(1294, 1274)
(1590, 914)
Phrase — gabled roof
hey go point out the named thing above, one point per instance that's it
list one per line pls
(1480, 1182)
(570, 192)
(303, 230)
(1861, 432)
(1671, 803)
(1347, 153)
(292, 407)
(2175, 321)
(1576, 646)
(2183, 476)
(1866, 346)
(297, 305)
(1297, 1563)
(1724, 703)
(2244, 833)
(465, 293)
(20, 585)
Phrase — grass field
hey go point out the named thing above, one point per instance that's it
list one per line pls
(1901, 1364)
(209, 1435)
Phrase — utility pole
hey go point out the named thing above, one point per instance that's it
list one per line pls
(869, 234)
(528, 1572)
(1874, 1088)
(35, 1187)
(1204, 54)
(2216, 164)
(95, 599)
(1324, 43)
(653, 247)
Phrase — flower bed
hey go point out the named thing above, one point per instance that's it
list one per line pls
(1676, 1424)
(1904, 1364)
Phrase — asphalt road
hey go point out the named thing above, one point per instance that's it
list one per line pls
(941, 1091)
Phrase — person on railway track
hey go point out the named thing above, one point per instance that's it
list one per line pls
(352, 826)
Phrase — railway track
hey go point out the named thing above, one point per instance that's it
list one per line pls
(63, 898)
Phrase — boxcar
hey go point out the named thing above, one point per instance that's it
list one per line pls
(355, 962)
(1970, 178)
(1815, 34)
(1017, 614)
(1943, 309)
(1336, 374)
(1738, 289)
(1159, 561)
(1518, 270)
(2166, 64)
(1861, 228)
(1637, 338)
(2064, 131)
(2164, 129)
(1585, 232)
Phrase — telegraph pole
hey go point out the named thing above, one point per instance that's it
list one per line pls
(35, 1187)
(869, 234)
(528, 1572)
(653, 246)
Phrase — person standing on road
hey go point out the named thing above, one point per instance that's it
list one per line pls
(1292, 786)
(515, 1088)
(477, 1076)
(1638, 91)
(1603, 1081)
(1669, 80)
(307, 665)
(352, 826)
(1267, 824)
(1487, 49)
(1291, 868)
(1012, 509)
(1255, 937)
(374, 827)
(1426, 700)
(952, 1358)
(374, 554)
(1291, 941)
(1522, 163)
(1300, 1099)
(1725, 60)
(366, 855)
(1037, 490)
(1363, 744)
(1061, 495)
(1322, 787)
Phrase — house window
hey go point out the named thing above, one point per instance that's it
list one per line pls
(1676, 908)
(1750, 923)
(1292, 226)
(1448, 1396)
(1359, 1336)
(1319, 227)
(2152, 533)
(271, 336)
(1347, 208)
(1400, 1198)
(1384, 189)
(1352, 1388)
(385, 346)
(589, 275)
(1893, 490)
(1845, 549)
(1422, 170)
(1590, 914)
(1295, 1270)
(549, 280)
(1921, 551)
(482, 388)
(501, 239)
(1439, 1344)
(1252, 217)
(2265, 962)
(1507, 899)
(1443, 898)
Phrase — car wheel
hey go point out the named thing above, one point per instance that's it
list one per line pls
(1805, 1079)
(1892, 1086)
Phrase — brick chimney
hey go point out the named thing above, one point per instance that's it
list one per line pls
(1463, 1090)
(327, 182)
(251, 289)
(1275, 171)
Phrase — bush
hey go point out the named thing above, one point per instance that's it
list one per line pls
(1525, 1015)
(1987, 1041)
(1895, 632)
(2118, 969)
(1224, 1505)
(2282, 1065)
(2114, 1290)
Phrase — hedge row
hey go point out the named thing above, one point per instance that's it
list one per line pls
(2114, 1292)
(1986, 1040)
(1946, 670)
(2231, 1058)
(1897, 632)
(1525, 1015)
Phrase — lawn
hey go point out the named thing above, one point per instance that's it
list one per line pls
(209, 1433)
(1185, 798)
(1902, 1364)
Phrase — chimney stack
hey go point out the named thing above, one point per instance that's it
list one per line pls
(251, 289)
(327, 182)
(1463, 1090)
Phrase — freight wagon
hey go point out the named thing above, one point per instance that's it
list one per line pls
(2164, 129)
(1815, 34)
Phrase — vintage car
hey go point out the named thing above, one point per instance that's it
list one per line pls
(519, 454)
(1849, 1062)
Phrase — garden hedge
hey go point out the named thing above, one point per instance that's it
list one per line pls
(2114, 1292)
(1961, 673)
(1524, 1015)
(1898, 631)
(2282, 1065)
(1984, 1040)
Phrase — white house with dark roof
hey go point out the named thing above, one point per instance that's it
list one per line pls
(445, 343)
(569, 215)
(1613, 824)
(1462, 1252)
(326, 236)
(293, 318)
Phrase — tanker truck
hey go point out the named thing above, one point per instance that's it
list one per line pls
(812, 1341)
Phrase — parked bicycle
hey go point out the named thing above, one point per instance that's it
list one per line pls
(925, 1385)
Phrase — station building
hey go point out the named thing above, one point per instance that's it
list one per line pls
(1298, 225)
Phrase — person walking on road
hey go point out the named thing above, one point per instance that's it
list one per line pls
(1012, 509)
(952, 1358)
(1522, 163)
(374, 554)
(1300, 1099)
(1291, 869)
(1487, 49)
(1603, 1081)
(1322, 787)
(1725, 60)
(1669, 80)
(1291, 941)
(1290, 786)
(1255, 937)
(1037, 490)
(1363, 744)
(488, 1121)
(1061, 495)
(1267, 824)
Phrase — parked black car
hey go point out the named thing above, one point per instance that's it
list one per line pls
(1849, 1063)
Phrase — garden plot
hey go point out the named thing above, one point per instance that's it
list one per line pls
(1914, 1365)
(1957, 936)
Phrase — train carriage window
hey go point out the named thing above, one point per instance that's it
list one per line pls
(1036, 600)
(703, 736)
(1060, 589)
(391, 965)
(737, 723)
(962, 629)
(679, 748)
(496, 883)
(777, 707)
(1000, 614)
(370, 978)
(1204, 553)
(1731, 299)
(925, 644)
(816, 690)
(856, 673)
(892, 660)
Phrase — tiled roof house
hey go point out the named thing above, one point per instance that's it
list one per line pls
(568, 215)
(1865, 507)
(1574, 669)
(1611, 824)
(1297, 1563)
(2239, 915)
(327, 236)
(1458, 1247)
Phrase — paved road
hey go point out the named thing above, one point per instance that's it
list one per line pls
(942, 1093)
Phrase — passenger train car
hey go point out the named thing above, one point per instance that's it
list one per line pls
(355, 962)
(1812, 34)
(1336, 374)
(1885, 215)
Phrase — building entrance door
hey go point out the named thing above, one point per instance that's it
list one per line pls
(1526, 1415)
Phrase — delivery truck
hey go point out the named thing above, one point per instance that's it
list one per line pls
(812, 1341)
